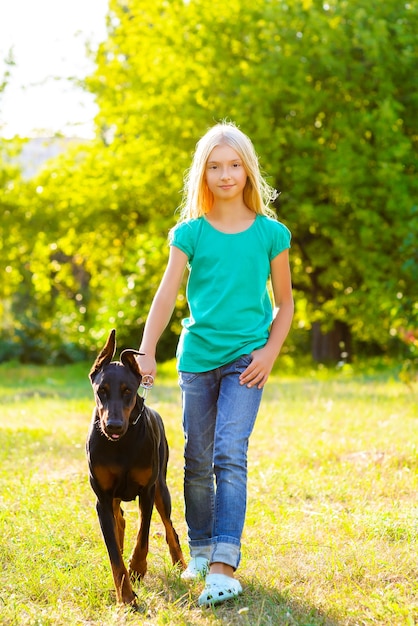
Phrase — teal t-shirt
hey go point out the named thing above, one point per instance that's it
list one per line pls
(230, 310)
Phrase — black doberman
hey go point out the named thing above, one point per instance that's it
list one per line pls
(127, 454)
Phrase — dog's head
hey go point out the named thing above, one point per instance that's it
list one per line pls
(115, 386)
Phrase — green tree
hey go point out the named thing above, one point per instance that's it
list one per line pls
(326, 91)
(12, 215)
(11, 244)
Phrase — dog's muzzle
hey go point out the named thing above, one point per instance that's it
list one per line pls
(113, 429)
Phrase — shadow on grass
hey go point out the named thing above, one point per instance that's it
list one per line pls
(257, 606)
(268, 605)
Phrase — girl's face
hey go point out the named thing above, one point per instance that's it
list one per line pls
(225, 173)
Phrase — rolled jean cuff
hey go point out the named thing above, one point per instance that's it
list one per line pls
(226, 552)
(198, 549)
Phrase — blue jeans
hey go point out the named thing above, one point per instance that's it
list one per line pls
(218, 418)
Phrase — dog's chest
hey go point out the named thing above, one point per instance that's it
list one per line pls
(121, 482)
(132, 482)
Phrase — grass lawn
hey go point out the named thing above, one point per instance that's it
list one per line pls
(332, 521)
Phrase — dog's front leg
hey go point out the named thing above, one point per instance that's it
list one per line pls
(138, 560)
(124, 591)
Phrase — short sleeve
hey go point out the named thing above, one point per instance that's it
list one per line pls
(281, 239)
(181, 236)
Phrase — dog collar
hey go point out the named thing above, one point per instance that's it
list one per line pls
(135, 421)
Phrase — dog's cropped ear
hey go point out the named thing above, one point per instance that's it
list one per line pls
(105, 356)
(128, 359)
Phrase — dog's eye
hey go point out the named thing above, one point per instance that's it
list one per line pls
(127, 393)
(101, 392)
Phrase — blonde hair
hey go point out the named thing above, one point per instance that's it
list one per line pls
(198, 199)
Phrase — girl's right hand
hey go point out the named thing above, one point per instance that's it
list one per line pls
(147, 365)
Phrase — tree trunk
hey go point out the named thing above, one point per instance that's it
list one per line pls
(334, 345)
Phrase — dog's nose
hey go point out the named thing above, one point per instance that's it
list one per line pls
(114, 427)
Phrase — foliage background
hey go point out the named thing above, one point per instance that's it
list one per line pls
(328, 94)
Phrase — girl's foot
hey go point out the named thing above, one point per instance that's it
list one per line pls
(197, 568)
(219, 588)
(221, 568)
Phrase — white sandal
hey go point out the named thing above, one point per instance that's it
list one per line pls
(196, 569)
(219, 588)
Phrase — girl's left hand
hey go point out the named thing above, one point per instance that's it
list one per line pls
(258, 370)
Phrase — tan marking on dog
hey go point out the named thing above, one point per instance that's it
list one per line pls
(141, 476)
(106, 476)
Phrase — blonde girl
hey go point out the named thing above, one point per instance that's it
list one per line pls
(232, 246)
(198, 199)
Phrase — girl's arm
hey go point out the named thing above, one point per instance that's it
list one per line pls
(161, 310)
(259, 369)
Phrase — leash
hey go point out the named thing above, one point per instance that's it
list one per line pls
(147, 383)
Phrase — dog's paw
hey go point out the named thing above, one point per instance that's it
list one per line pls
(137, 571)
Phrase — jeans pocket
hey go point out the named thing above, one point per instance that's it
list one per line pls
(186, 378)
(243, 362)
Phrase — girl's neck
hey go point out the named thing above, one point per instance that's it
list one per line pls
(230, 218)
